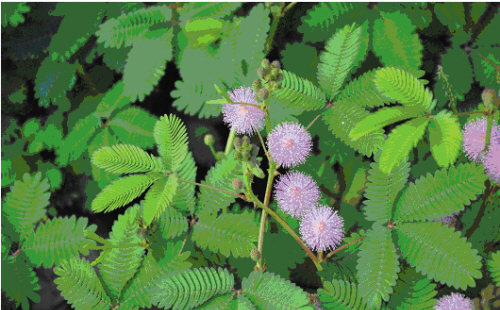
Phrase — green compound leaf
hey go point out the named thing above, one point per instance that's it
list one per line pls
(194, 10)
(134, 126)
(441, 194)
(53, 80)
(163, 200)
(380, 119)
(364, 92)
(494, 267)
(456, 66)
(171, 136)
(413, 291)
(382, 190)
(122, 191)
(396, 42)
(378, 266)
(445, 137)
(125, 158)
(336, 62)
(341, 295)
(12, 13)
(56, 240)
(19, 281)
(402, 86)
(230, 234)
(400, 142)
(76, 142)
(80, 285)
(439, 253)
(269, 291)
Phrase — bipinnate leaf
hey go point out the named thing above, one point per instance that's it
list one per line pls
(494, 267)
(56, 240)
(80, 285)
(191, 288)
(299, 93)
(164, 200)
(125, 158)
(447, 191)
(378, 266)
(171, 136)
(122, 191)
(445, 137)
(19, 281)
(413, 291)
(134, 126)
(399, 85)
(439, 253)
(380, 119)
(341, 295)
(337, 60)
(400, 142)
(269, 291)
(230, 234)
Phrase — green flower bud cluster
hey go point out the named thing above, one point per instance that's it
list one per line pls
(270, 75)
(245, 151)
(489, 97)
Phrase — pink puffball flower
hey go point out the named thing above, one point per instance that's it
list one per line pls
(322, 228)
(243, 119)
(289, 144)
(474, 134)
(453, 302)
(492, 163)
(296, 192)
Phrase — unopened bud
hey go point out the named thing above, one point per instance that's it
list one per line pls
(209, 140)
(256, 85)
(276, 64)
(262, 94)
(255, 150)
(237, 156)
(261, 72)
(245, 142)
(255, 255)
(280, 77)
(237, 185)
(274, 73)
(237, 142)
(488, 96)
(265, 63)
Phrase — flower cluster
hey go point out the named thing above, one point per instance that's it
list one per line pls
(474, 141)
(322, 228)
(296, 192)
(453, 302)
(289, 144)
(242, 118)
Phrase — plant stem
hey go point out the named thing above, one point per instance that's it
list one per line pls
(229, 143)
(264, 146)
(468, 113)
(263, 219)
(312, 122)
(344, 246)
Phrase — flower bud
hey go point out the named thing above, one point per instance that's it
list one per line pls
(237, 143)
(237, 185)
(237, 156)
(276, 64)
(209, 140)
(261, 72)
(265, 63)
(262, 94)
(274, 73)
(280, 77)
(256, 85)
(488, 96)
(245, 142)
(255, 150)
(255, 255)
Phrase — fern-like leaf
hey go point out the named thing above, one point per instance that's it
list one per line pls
(378, 266)
(127, 29)
(320, 18)
(439, 253)
(19, 281)
(77, 140)
(223, 302)
(402, 86)
(400, 142)
(364, 92)
(80, 285)
(269, 291)
(25, 204)
(445, 136)
(342, 117)
(171, 136)
(126, 158)
(234, 234)
(155, 205)
(120, 264)
(341, 295)
(382, 190)
(191, 288)
(56, 240)
(122, 191)
(194, 10)
(220, 176)
(413, 291)
(184, 198)
(172, 223)
(53, 80)
(494, 267)
(441, 194)
(300, 93)
(336, 61)
(134, 126)
(394, 34)
(141, 73)
(112, 100)
(380, 119)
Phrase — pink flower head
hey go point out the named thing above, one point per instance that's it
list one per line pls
(242, 118)
(296, 192)
(322, 228)
(453, 302)
(492, 162)
(474, 134)
(289, 144)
